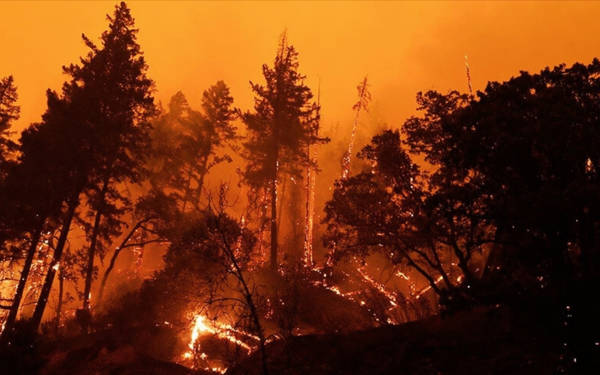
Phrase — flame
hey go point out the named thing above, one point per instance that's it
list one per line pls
(238, 244)
(203, 326)
(389, 295)
(262, 206)
(428, 287)
(363, 100)
(138, 252)
(310, 213)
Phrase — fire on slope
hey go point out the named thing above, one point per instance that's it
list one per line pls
(202, 326)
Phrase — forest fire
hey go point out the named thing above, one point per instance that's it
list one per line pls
(203, 326)
(278, 219)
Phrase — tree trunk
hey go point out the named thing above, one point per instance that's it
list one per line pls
(14, 308)
(201, 180)
(92, 250)
(113, 259)
(309, 213)
(61, 281)
(249, 301)
(43, 298)
(274, 263)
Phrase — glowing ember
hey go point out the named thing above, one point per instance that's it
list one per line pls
(364, 96)
(309, 216)
(138, 252)
(203, 326)
(468, 69)
(238, 244)
(427, 288)
(390, 296)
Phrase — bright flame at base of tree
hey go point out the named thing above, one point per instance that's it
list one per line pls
(309, 216)
(203, 326)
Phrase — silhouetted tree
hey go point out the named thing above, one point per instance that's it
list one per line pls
(115, 75)
(185, 145)
(188, 143)
(43, 187)
(395, 208)
(364, 97)
(109, 99)
(279, 130)
(9, 112)
(154, 219)
(528, 150)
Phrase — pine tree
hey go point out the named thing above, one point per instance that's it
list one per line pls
(109, 98)
(42, 188)
(188, 143)
(9, 112)
(280, 129)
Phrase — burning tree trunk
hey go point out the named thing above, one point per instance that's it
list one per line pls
(364, 96)
(92, 250)
(273, 258)
(62, 240)
(262, 208)
(468, 71)
(308, 221)
(310, 196)
(279, 128)
(61, 281)
(14, 308)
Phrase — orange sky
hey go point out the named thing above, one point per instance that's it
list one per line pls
(403, 47)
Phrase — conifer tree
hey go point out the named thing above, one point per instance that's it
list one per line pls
(109, 98)
(280, 128)
(9, 112)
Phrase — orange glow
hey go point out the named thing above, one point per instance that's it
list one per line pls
(203, 326)
(403, 46)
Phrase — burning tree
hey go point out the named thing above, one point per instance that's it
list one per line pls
(206, 282)
(43, 189)
(396, 209)
(279, 130)
(88, 141)
(114, 77)
(364, 97)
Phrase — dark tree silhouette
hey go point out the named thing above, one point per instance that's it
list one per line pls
(528, 149)
(115, 75)
(188, 143)
(109, 99)
(185, 145)
(9, 112)
(395, 208)
(280, 129)
(43, 188)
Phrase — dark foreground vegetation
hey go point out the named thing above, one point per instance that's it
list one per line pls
(467, 240)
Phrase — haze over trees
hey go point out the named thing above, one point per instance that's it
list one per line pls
(483, 208)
